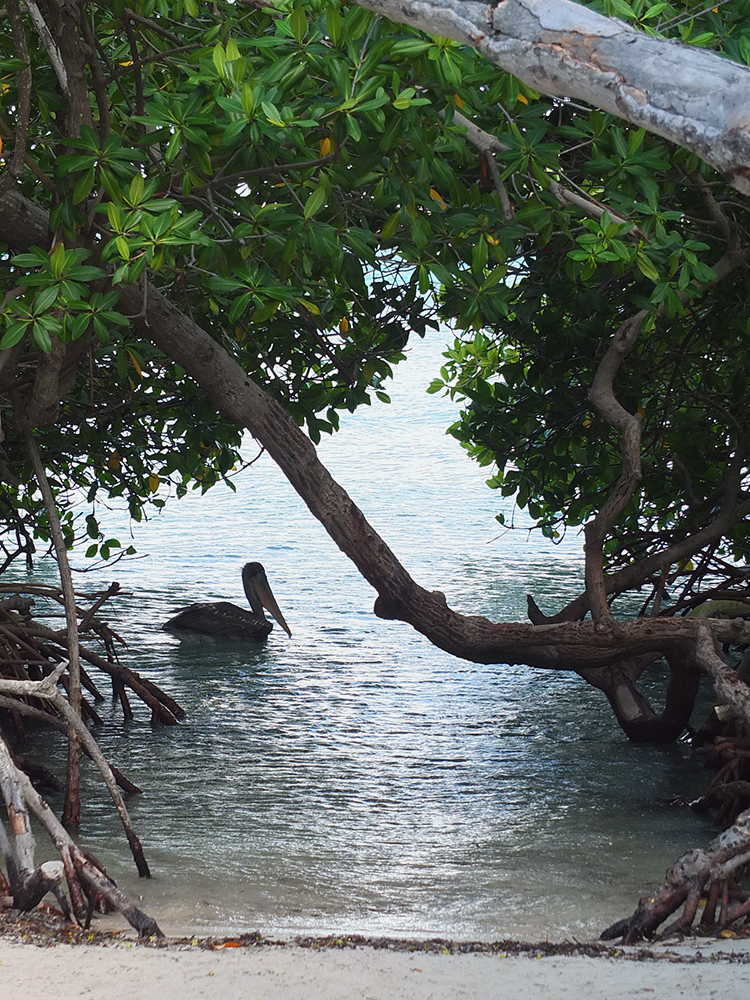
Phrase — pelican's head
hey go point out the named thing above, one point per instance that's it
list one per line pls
(259, 593)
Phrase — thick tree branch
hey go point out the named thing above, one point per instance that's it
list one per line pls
(571, 646)
(566, 50)
(55, 56)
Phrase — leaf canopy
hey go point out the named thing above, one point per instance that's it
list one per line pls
(314, 185)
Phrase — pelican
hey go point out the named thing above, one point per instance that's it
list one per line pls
(222, 620)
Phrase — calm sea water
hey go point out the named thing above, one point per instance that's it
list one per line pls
(353, 778)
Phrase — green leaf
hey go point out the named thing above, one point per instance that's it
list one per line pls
(13, 335)
(45, 298)
(621, 7)
(78, 325)
(390, 227)
(646, 267)
(298, 23)
(479, 255)
(41, 337)
(219, 58)
(173, 147)
(136, 190)
(333, 23)
(57, 261)
(352, 128)
(315, 202)
(83, 186)
(272, 114)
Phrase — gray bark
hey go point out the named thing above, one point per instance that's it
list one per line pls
(693, 97)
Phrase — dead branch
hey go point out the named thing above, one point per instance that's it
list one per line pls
(29, 884)
(48, 691)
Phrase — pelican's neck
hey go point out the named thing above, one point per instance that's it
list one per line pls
(250, 574)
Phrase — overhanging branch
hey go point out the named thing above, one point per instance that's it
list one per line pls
(694, 98)
(573, 646)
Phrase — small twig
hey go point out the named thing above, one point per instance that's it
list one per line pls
(114, 588)
(100, 87)
(363, 52)
(153, 25)
(590, 206)
(275, 169)
(140, 104)
(50, 45)
(660, 591)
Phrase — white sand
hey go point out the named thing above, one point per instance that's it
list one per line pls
(132, 972)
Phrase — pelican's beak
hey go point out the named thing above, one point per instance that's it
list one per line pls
(269, 603)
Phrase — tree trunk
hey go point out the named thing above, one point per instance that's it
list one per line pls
(634, 713)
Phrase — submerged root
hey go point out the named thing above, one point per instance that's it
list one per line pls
(31, 649)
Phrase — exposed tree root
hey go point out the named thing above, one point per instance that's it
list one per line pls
(31, 650)
(707, 878)
(28, 883)
(33, 661)
(706, 881)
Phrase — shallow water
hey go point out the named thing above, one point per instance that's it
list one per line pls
(354, 778)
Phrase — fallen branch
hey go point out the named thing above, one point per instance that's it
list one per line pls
(86, 879)
(47, 690)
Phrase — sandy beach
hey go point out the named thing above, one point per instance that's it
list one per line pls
(319, 969)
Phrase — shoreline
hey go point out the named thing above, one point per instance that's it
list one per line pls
(46, 927)
(38, 956)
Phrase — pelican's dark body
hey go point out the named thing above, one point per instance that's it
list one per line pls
(222, 620)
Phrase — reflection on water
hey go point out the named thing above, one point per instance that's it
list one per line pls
(354, 778)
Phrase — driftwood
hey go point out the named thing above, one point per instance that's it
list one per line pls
(28, 884)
